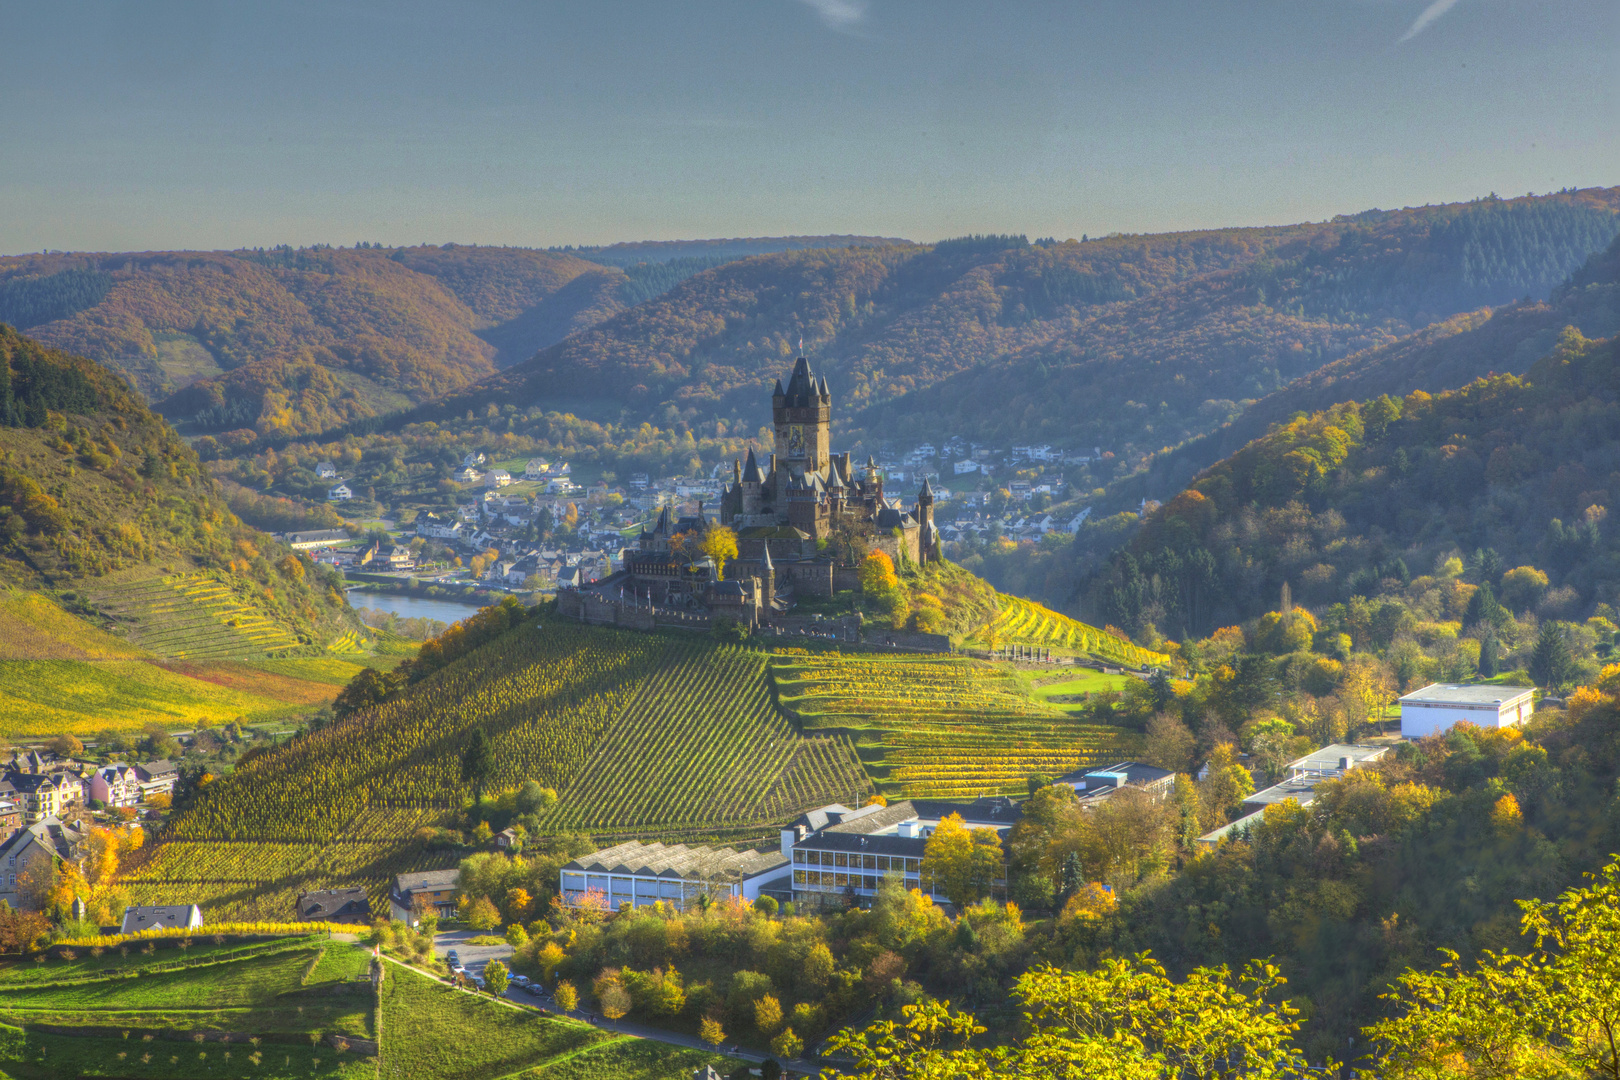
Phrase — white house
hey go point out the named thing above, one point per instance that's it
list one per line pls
(968, 466)
(497, 478)
(536, 469)
(642, 874)
(161, 917)
(468, 475)
(339, 492)
(326, 470)
(1438, 706)
(475, 458)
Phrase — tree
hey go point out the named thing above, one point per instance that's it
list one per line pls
(611, 995)
(1552, 1011)
(1071, 878)
(1488, 653)
(1225, 786)
(787, 1045)
(477, 763)
(1270, 744)
(710, 1031)
(1124, 1019)
(1552, 665)
(961, 863)
(720, 544)
(566, 996)
(532, 798)
(65, 746)
(496, 977)
(767, 1014)
(480, 914)
(1170, 745)
(368, 687)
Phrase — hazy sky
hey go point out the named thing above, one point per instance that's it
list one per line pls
(174, 123)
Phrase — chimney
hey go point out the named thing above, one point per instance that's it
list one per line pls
(1344, 764)
(910, 829)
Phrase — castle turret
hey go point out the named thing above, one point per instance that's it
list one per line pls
(927, 537)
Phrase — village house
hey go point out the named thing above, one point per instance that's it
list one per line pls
(468, 475)
(339, 493)
(474, 458)
(335, 905)
(27, 856)
(11, 819)
(116, 785)
(316, 538)
(425, 890)
(326, 470)
(161, 917)
(157, 777)
(497, 478)
(46, 795)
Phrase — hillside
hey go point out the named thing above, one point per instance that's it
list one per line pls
(1505, 340)
(99, 499)
(1138, 341)
(1336, 501)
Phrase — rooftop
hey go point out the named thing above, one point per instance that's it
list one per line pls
(1330, 758)
(1122, 774)
(1463, 694)
(432, 880)
(678, 861)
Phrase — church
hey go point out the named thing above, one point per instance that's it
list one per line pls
(786, 513)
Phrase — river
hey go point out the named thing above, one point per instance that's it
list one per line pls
(411, 607)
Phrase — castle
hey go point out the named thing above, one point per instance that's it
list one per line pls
(786, 516)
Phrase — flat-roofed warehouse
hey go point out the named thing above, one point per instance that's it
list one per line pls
(1438, 706)
(643, 874)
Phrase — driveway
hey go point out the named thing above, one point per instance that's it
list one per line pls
(473, 956)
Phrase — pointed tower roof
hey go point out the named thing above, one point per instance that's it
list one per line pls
(801, 384)
(768, 565)
(825, 392)
(834, 481)
(751, 471)
(927, 491)
(778, 392)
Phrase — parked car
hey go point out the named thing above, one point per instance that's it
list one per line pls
(537, 990)
(457, 969)
(518, 980)
(476, 980)
(452, 958)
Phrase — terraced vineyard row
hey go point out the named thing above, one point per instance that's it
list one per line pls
(704, 723)
(942, 727)
(1028, 623)
(194, 617)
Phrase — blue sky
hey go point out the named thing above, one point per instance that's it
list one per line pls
(180, 124)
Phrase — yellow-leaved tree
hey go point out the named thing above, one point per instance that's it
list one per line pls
(720, 544)
(962, 864)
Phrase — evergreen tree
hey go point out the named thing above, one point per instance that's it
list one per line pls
(478, 764)
(1482, 607)
(1070, 879)
(1551, 664)
(1487, 653)
(1159, 684)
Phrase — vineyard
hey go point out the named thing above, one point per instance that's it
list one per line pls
(191, 617)
(1024, 622)
(940, 727)
(639, 734)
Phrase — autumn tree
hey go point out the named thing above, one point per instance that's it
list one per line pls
(710, 1031)
(1550, 1011)
(719, 544)
(1225, 786)
(962, 864)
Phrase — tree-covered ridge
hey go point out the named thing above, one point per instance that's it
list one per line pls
(1140, 341)
(94, 487)
(1331, 502)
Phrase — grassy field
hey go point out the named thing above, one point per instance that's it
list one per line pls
(33, 627)
(1086, 681)
(938, 726)
(137, 1011)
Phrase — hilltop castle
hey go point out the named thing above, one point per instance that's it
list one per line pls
(813, 491)
(783, 514)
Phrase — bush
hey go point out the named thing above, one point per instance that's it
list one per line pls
(766, 905)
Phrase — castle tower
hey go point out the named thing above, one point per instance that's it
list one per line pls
(752, 484)
(927, 538)
(770, 577)
(802, 415)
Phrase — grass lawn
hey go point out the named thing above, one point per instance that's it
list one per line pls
(433, 1032)
(1087, 682)
(264, 992)
(134, 963)
(632, 1059)
(341, 962)
(38, 1056)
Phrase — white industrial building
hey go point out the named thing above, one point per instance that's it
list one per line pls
(1435, 708)
(1331, 762)
(642, 874)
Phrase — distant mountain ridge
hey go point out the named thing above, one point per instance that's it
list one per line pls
(1138, 342)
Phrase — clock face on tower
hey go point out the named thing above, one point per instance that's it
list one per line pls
(795, 441)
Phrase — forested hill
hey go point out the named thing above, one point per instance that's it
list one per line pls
(1524, 470)
(1452, 353)
(1135, 341)
(96, 492)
